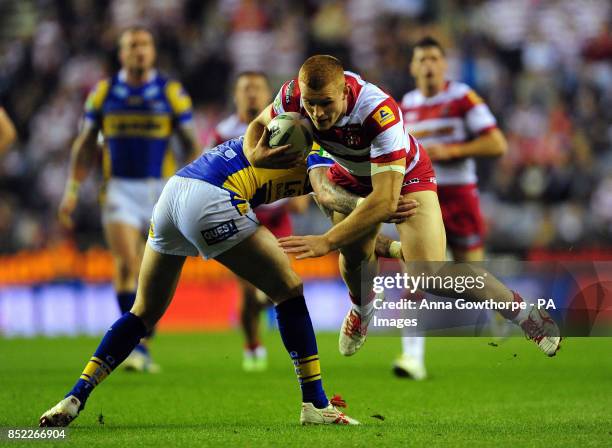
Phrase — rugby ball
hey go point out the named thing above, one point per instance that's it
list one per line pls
(291, 128)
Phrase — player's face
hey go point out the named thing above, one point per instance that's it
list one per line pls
(137, 50)
(252, 94)
(325, 106)
(428, 67)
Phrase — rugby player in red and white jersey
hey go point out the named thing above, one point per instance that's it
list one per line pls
(455, 126)
(361, 127)
(251, 95)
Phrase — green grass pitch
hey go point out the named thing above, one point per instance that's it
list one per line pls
(477, 395)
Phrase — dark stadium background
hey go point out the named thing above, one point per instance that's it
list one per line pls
(544, 67)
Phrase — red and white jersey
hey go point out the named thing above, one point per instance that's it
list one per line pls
(228, 129)
(455, 115)
(372, 131)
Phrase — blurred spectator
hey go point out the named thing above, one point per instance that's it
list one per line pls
(7, 131)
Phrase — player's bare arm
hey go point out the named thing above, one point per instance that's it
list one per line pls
(258, 151)
(82, 160)
(491, 144)
(336, 198)
(377, 207)
(7, 131)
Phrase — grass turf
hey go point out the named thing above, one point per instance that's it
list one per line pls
(477, 394)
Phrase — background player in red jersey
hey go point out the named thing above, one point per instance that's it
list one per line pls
(455, 126)
(251, 95)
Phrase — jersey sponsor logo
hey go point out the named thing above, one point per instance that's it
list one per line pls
(134, 125)
(134, 100)
(157, 106)
(151, 230)
(414, 180)
(224, 152)
(384, 116)
(220, 232)
(352, 136)
(151, 92)
(120, 91)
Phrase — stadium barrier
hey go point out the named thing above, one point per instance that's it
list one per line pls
(61, 291)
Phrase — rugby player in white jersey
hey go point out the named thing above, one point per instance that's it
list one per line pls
(361, 127)
(251, 94)
(455, 126)
(137, 111)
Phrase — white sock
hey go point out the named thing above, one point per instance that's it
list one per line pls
(414, 346)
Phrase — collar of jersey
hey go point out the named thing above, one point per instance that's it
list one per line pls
(150, 77)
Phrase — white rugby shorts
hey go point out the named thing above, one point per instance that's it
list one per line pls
(131, 201)
(193, 216)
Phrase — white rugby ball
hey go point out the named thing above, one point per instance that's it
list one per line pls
(291, 128)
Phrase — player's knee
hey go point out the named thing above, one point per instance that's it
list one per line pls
(127, 268)
(149, 315)
(353, 260)
(290, 287)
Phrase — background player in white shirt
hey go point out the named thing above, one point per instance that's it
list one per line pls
(455, 126)
(251, 95)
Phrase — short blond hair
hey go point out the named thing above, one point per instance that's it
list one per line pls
(134, 29)
(320, 70)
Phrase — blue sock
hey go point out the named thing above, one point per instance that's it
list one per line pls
(299, 338)
(117, 344)
(126, 301)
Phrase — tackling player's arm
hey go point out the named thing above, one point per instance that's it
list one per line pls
(7, 131)
(490, 144)
(82, 159)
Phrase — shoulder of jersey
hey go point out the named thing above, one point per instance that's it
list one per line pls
(288, 97)
(455, 91)
(369, 96)
(98, 93)
(458, 89)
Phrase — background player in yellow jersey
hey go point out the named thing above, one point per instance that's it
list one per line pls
(137, 111)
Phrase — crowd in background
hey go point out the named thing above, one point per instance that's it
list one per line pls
(543, 66)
